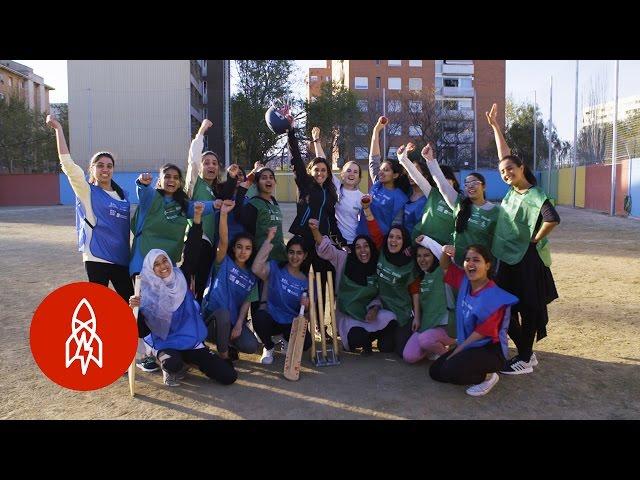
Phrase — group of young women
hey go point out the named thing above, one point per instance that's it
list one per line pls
(423, 268)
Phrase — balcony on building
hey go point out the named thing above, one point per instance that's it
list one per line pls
(457, 91)
(457, 68)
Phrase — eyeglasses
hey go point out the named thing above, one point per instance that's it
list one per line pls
(472, 183)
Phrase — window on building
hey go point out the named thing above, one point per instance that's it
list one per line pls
(449, 154)
(361, 153)
(465, 154)
(415, 84)
(378, 106)
(10, 82)
(450, 105)
(439, 82)
(393, 152)
(313, 78)
(450, 82)
(362, 129)
(465, 104)
(395, 63)
(363, 105)
(378, 82)
(362, 83)
(459, 62)
(415, 131)
(415, 106)
(395, 129)
(415, 63)
(394, 106)
(395, 83)
(466, 82)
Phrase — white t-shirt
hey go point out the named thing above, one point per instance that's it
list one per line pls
(347, 210)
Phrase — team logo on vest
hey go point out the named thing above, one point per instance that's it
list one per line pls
(83, 336)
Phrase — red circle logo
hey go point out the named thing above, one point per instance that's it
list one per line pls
(83, 336)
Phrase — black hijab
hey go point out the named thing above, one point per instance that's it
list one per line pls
(398, 259)
(357, 271)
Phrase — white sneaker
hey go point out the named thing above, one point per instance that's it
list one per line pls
(483, 388)
(169, 379)
(267, 356)
(533, 361)
(516, 366)
(284, 346)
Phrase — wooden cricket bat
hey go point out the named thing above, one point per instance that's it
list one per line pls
(132, 367)
(296, 343)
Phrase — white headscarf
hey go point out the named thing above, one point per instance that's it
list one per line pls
(160, 297)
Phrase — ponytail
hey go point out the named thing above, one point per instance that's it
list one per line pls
(463, 215)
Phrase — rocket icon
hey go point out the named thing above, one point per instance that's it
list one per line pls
(83, 343)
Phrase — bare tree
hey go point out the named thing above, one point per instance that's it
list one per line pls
(593, 135)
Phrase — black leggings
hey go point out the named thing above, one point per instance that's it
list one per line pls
(265, 326)
(102, 273)
(208, 362)
(205, 261)
(470, 366)
(401, 337)
(358, 337)
(522, 330)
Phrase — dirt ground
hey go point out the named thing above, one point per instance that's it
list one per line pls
(589, 363)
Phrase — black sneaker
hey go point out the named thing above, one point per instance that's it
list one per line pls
(147, 364)
(517, 366)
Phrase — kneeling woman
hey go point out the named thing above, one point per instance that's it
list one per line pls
(482, 318)
(170, 321)
(433, 321)
(228, 297)
(285, 283)
(358, 314)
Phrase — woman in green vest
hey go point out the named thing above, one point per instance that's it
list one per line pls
(438, 219)
(358, 314)
(519, 243)
(431, 334)
(161, 217)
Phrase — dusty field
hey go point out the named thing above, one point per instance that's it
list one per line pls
(589, 364)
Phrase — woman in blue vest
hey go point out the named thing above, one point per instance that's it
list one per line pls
(482, 319)
(102, 217)
(170, 322)
(525, 219)
(286, 283)
(161, 218)
(230, 292)
(390, 188)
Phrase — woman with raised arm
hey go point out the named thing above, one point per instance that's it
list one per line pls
(525, 219)
(387, 192)
(349, 196)
(204, 183)
(102, 217)
(286, 284)
(431, 333)
(161, 218)
(482, 317)
(358, 314)
(415, 205)
(230, 292)
(437, 219)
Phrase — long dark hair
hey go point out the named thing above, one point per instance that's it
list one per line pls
(465, 206)
(298, 240)
(528, 174)
(179, 195)
(415, 157)
(240, 236)
(402, 182)
(484, 253)
(329, 181)
(449, 174)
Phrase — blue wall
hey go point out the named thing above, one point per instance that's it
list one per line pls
(126, 180)
(634, 186)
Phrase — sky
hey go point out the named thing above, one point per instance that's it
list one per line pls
(523, 78)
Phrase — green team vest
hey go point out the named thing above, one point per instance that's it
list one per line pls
(163, 228)
(433, 300)
(393, 285)
(202, 191)
(480, 228)
(438, 221)
(269, 215)
(353, 298)
(516, 224)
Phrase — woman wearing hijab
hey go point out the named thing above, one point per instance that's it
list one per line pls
(358, 314)
(170, 322)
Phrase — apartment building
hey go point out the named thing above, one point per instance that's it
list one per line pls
(143, 111)
(18, 79)
(460, 91)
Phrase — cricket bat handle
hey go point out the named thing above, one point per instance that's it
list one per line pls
(132, 367)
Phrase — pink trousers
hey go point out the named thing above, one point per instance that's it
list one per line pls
(432, 341)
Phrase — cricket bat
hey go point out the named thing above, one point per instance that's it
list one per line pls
(132, 367)
(296, 343)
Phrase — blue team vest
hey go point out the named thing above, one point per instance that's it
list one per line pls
(473, 310)
(110, 236)
(413, 212)
(385, 205)
(187, 328)
(230, 288)
(283, 301)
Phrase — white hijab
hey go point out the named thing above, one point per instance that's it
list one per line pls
(160, 297)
